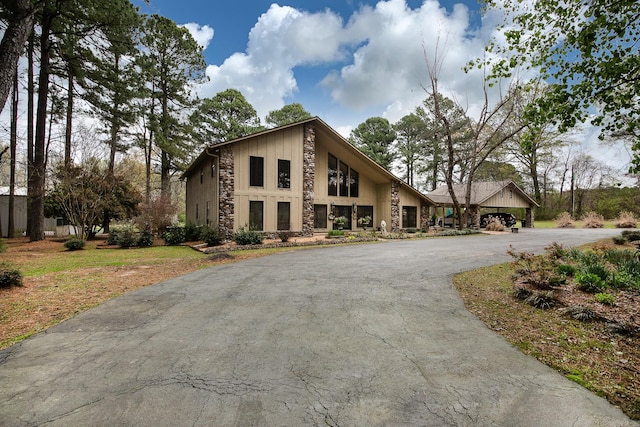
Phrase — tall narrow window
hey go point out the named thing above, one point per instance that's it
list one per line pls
(354, 184)
(409, 216)
(256, 171)
(213, 168)
(333, 175)
(344, 179)
(207, 214)
(284, 215)
(284, 173)
(255, 215)
(201, 176)
(319, 216)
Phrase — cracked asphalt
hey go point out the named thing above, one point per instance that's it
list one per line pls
(357, 335)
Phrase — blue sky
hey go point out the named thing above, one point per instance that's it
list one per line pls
(343, 60)
(347, 60)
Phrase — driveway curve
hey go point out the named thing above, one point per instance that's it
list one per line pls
(358, 335)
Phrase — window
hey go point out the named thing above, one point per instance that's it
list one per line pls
(344, 179)
(364, 211)
(256, 171)
(255, 216)
(284, 216)
(333, 175)
(354, 184)
(201, 176)
(284, 173)
(207, 214)
(409, 217)
(197, 211)
(343, 211)
(213, 168)
(319, 216)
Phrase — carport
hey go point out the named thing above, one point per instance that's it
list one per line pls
(498, 195)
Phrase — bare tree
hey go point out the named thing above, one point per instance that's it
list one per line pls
(496, 124)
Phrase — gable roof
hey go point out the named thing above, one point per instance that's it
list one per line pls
(481, 191)
(333, 134)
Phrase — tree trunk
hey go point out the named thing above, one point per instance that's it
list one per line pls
(37, 167)
(69, 127)
(15, 36)
(11, 228)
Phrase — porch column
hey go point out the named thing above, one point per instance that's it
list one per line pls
(424, 215)
(308, 177)
(529, 217)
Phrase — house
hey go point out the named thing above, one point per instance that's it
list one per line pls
(487, 196)
(299, 177)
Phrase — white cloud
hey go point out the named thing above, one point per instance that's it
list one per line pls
(380, 51)
(201, 34)
(282, 39)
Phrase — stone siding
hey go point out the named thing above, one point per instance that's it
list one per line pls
(308, 174)
(424, 215)
(395, 206)
(227, 182)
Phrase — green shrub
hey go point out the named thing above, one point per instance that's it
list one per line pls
(192, 232)
(631, 235)
(605, 298)
(335, 233)
(211, 236)
(9, 276)
(74, 244)
(619, 240)
(567, 270)
(248, 237)
(598, 269)
(145, 238)
(174, 236)
(590, 282)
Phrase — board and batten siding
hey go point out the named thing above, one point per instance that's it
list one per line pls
(284, 145)
(508, 197)
(202, 194)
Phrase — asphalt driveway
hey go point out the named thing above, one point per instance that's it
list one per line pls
(359, 335)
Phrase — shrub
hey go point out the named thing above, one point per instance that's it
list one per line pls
(335, 233)
(631, 235)
(589, 282)
(581, 313)
(284, 236)
(619, 240)
(494, 225)
(174, 236)
(567, 270)
(9, 276)
(626, 219)
(541, 300)
(564, 220)
(145, 238)
(74, 244)
(247, 237)
(211, 236)
(156, 214)
(193, 232)
(598, 269)
(605, 298)
(593, 220)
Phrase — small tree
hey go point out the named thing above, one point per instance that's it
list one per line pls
(156, 214)
(83, 193)
(79, 194)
